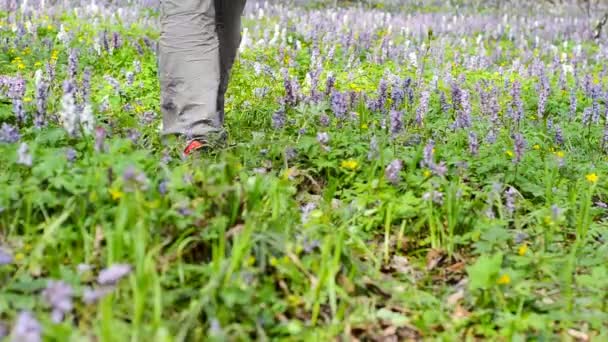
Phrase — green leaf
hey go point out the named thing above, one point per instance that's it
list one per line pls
(484, 271)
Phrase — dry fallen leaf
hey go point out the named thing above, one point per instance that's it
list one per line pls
(434, 258)
(578, 335)
(454, 298)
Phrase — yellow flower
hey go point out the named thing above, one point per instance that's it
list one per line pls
(592, 178)
(27, 99)
(548, 220)
(560, 154)
(427, 173)
(509, 153)
(20, 66)
(116, 194)
(504, 280)
(364, 126)
(294, 300)
(350, 164)
(536, 147)
(19, 257)
(522, 250)
(38, 64)
(274, 261)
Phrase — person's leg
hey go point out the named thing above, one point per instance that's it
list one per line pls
(189, 69)
(228, 17)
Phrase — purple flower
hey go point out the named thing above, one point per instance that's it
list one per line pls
(162, 187)
(148, 117)
(6, 258)
(463, 116)
(555, 212)
(510, 200)
(114, 83)
(3, 330)
(130, 78)
(50, 71)
(27, 328)
(429, 151)
(330, 84)
(339, 104)
(520, 237)
(435, 196)
(587, 116)
(491, 137)
(393, 170)
(86, 84)
(58, 295)
(90, 295)
(519, 147)
(559, 136)
(382, 94)
(23, 155)
(278, 119)
(573, 103)
(70, 154)
(16, 93)
(116, 41)
(9, 134)
(134, 179)
(100, 139)
(133, 135)
(324, 120)
(440, 169)
(310, 245)
(184, 211)
(423, 108)
(291, 153)
(41, 100)
(543, 90)
(456, 95)
(306, 210)
(396, 122)
(397, 94)
(323, 138)
(595, 106)
(443, 102)
(113, 274)
(473, 144)
(72, 64)
(291, 89)
(517, 103)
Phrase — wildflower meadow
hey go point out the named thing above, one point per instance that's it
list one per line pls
(395, 171)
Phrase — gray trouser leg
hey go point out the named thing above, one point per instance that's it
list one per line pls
(198, 44)
(228, 15)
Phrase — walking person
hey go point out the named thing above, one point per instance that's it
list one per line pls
(198, 45)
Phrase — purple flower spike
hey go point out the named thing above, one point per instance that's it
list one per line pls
(323, 138)
(27, 328)
(90, 295)
(392, 171)
(6, 258)
(58, 295)
(113, 274)
(23, 155)
(9, 134)
(396, 121)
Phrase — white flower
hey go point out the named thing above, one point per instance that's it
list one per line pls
(87, 119)
(68, 114)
